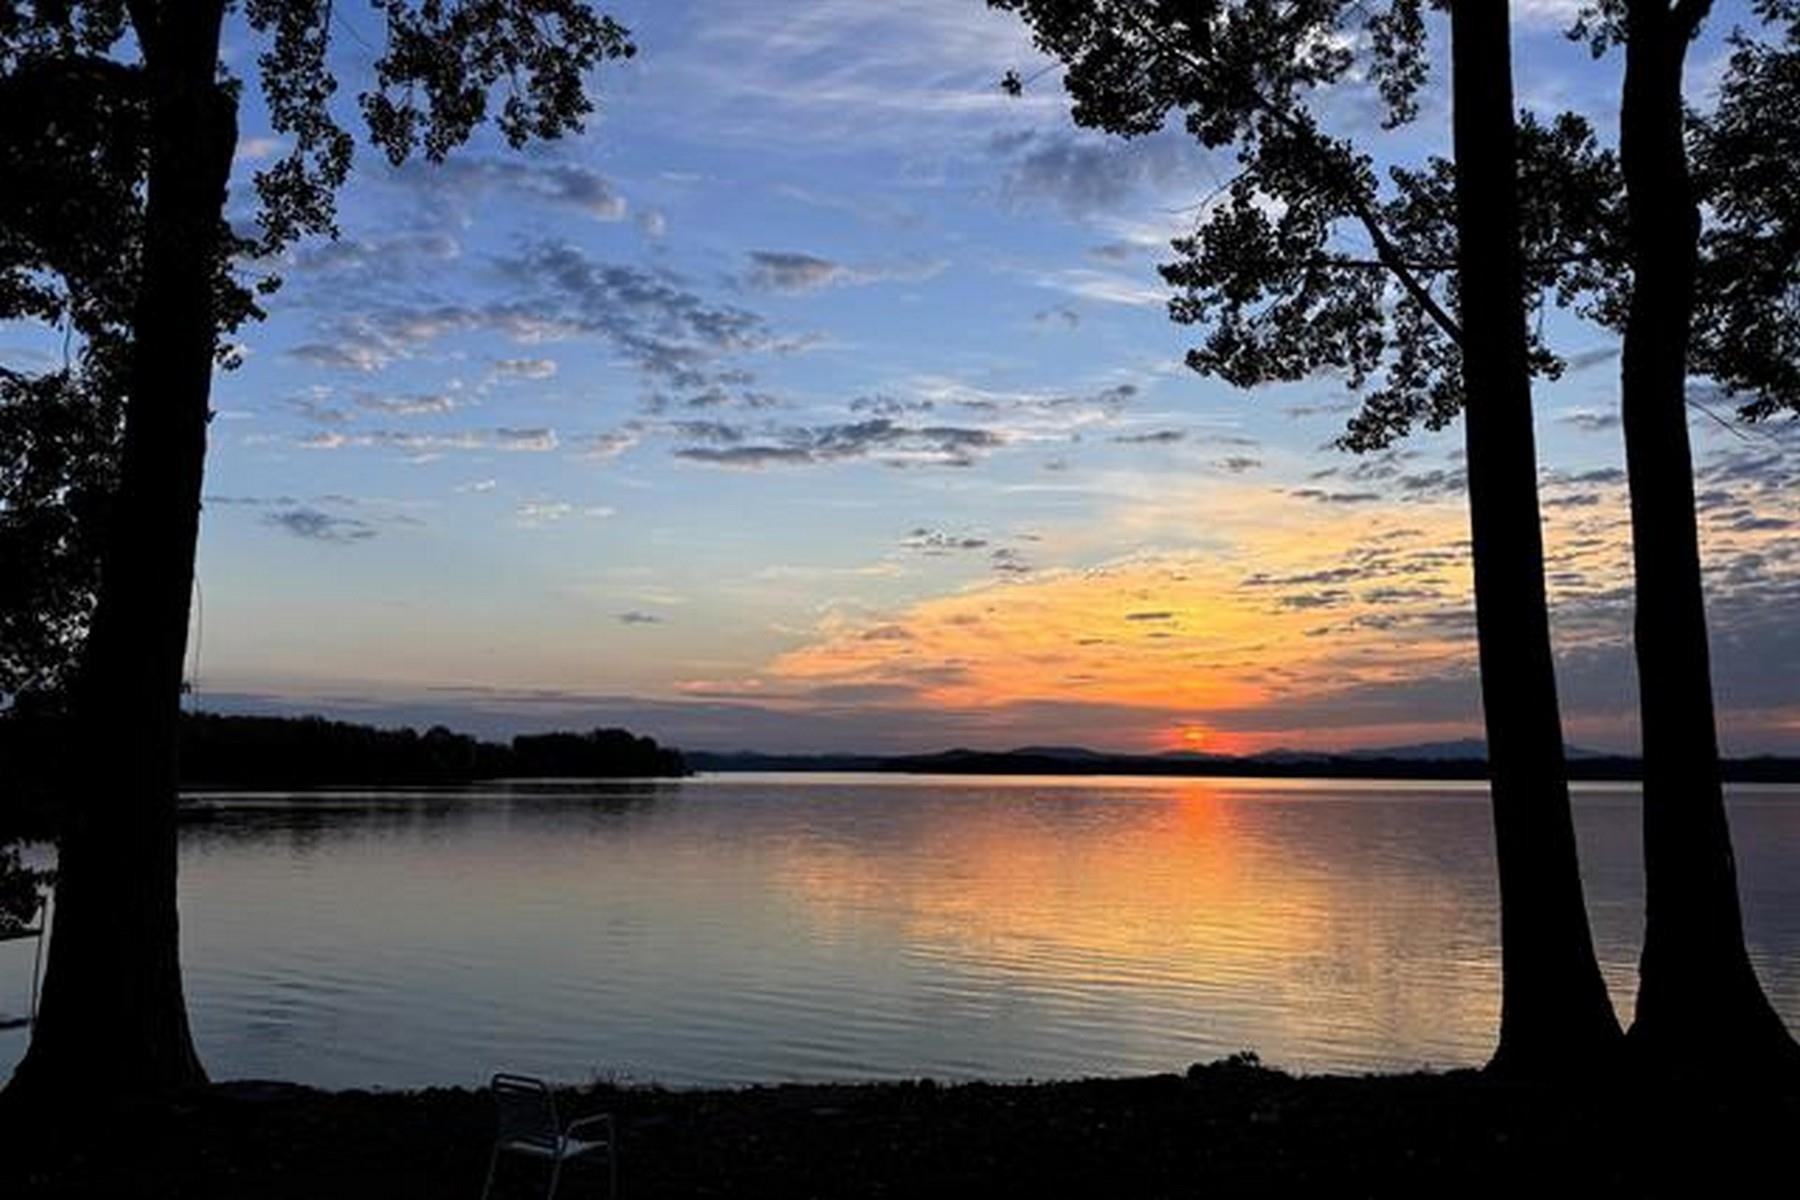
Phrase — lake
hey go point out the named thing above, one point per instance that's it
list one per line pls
(754, 928)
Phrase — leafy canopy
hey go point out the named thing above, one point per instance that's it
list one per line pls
(1746, 162)
(1310, 260)
(77, 82)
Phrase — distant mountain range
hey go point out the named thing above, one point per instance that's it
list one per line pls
(1462, 759)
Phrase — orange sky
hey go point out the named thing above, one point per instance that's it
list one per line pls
(1295, 603)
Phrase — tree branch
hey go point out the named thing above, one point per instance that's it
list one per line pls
(1352, 196)
(145, 23)
(1390, 256)
(1687, 16)
(1444, 264)
(1375, 264)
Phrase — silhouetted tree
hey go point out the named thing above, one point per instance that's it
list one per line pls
(58, 463)
(308, 751)
(1437, 315)
(113, 1016)
(596, 754)
(1746, 163)
(1620, 238)
(70, 219)
(1555, 1006)
(1699, 1001)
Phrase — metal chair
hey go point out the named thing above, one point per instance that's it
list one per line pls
(32, 926)
(529, 1126)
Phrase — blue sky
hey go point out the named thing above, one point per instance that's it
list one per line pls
(822, 397)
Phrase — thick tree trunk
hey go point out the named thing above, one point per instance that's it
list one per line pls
(1555, 1012)
(1699, 1002)
(112, 1019)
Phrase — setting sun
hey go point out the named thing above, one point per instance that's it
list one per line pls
(1194, 737)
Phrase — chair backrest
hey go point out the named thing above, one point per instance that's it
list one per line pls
(527, 1111)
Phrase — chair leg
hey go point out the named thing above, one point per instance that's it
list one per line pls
(493, 1165)
(612, 1171)
(555, 1177)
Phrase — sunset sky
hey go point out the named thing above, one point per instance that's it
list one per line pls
(821, 397)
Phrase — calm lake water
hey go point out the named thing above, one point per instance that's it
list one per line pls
(756, 928)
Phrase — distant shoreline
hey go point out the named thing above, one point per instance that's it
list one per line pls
(1586, 769)
(270, 754)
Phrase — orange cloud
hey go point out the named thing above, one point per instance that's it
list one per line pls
(1331, 602)
(1295, 602)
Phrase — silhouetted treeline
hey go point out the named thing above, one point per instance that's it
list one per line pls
(311, 751)
(1765, 769)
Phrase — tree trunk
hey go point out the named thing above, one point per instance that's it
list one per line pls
(1555, 1012)
(112, 1019)
(1699, 1002)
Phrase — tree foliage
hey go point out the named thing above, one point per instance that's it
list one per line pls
(58, 468)
(75, 84)
(70, 237)
(1744, 155)
(1746, 162)
(1310, 259)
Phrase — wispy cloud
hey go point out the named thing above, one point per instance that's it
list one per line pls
(425, 404)
(794, 273)
(388, 257)
(936, 541)
(535, 514)
(681, 344)
(880, 438)
(462, 181)
(317, 526)
(526, 368)
(1135, 290)
(524, 440)
(1587, 420)
(1087, 174)
(901, 72)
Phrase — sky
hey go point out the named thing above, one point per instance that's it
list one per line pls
(822, 397)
